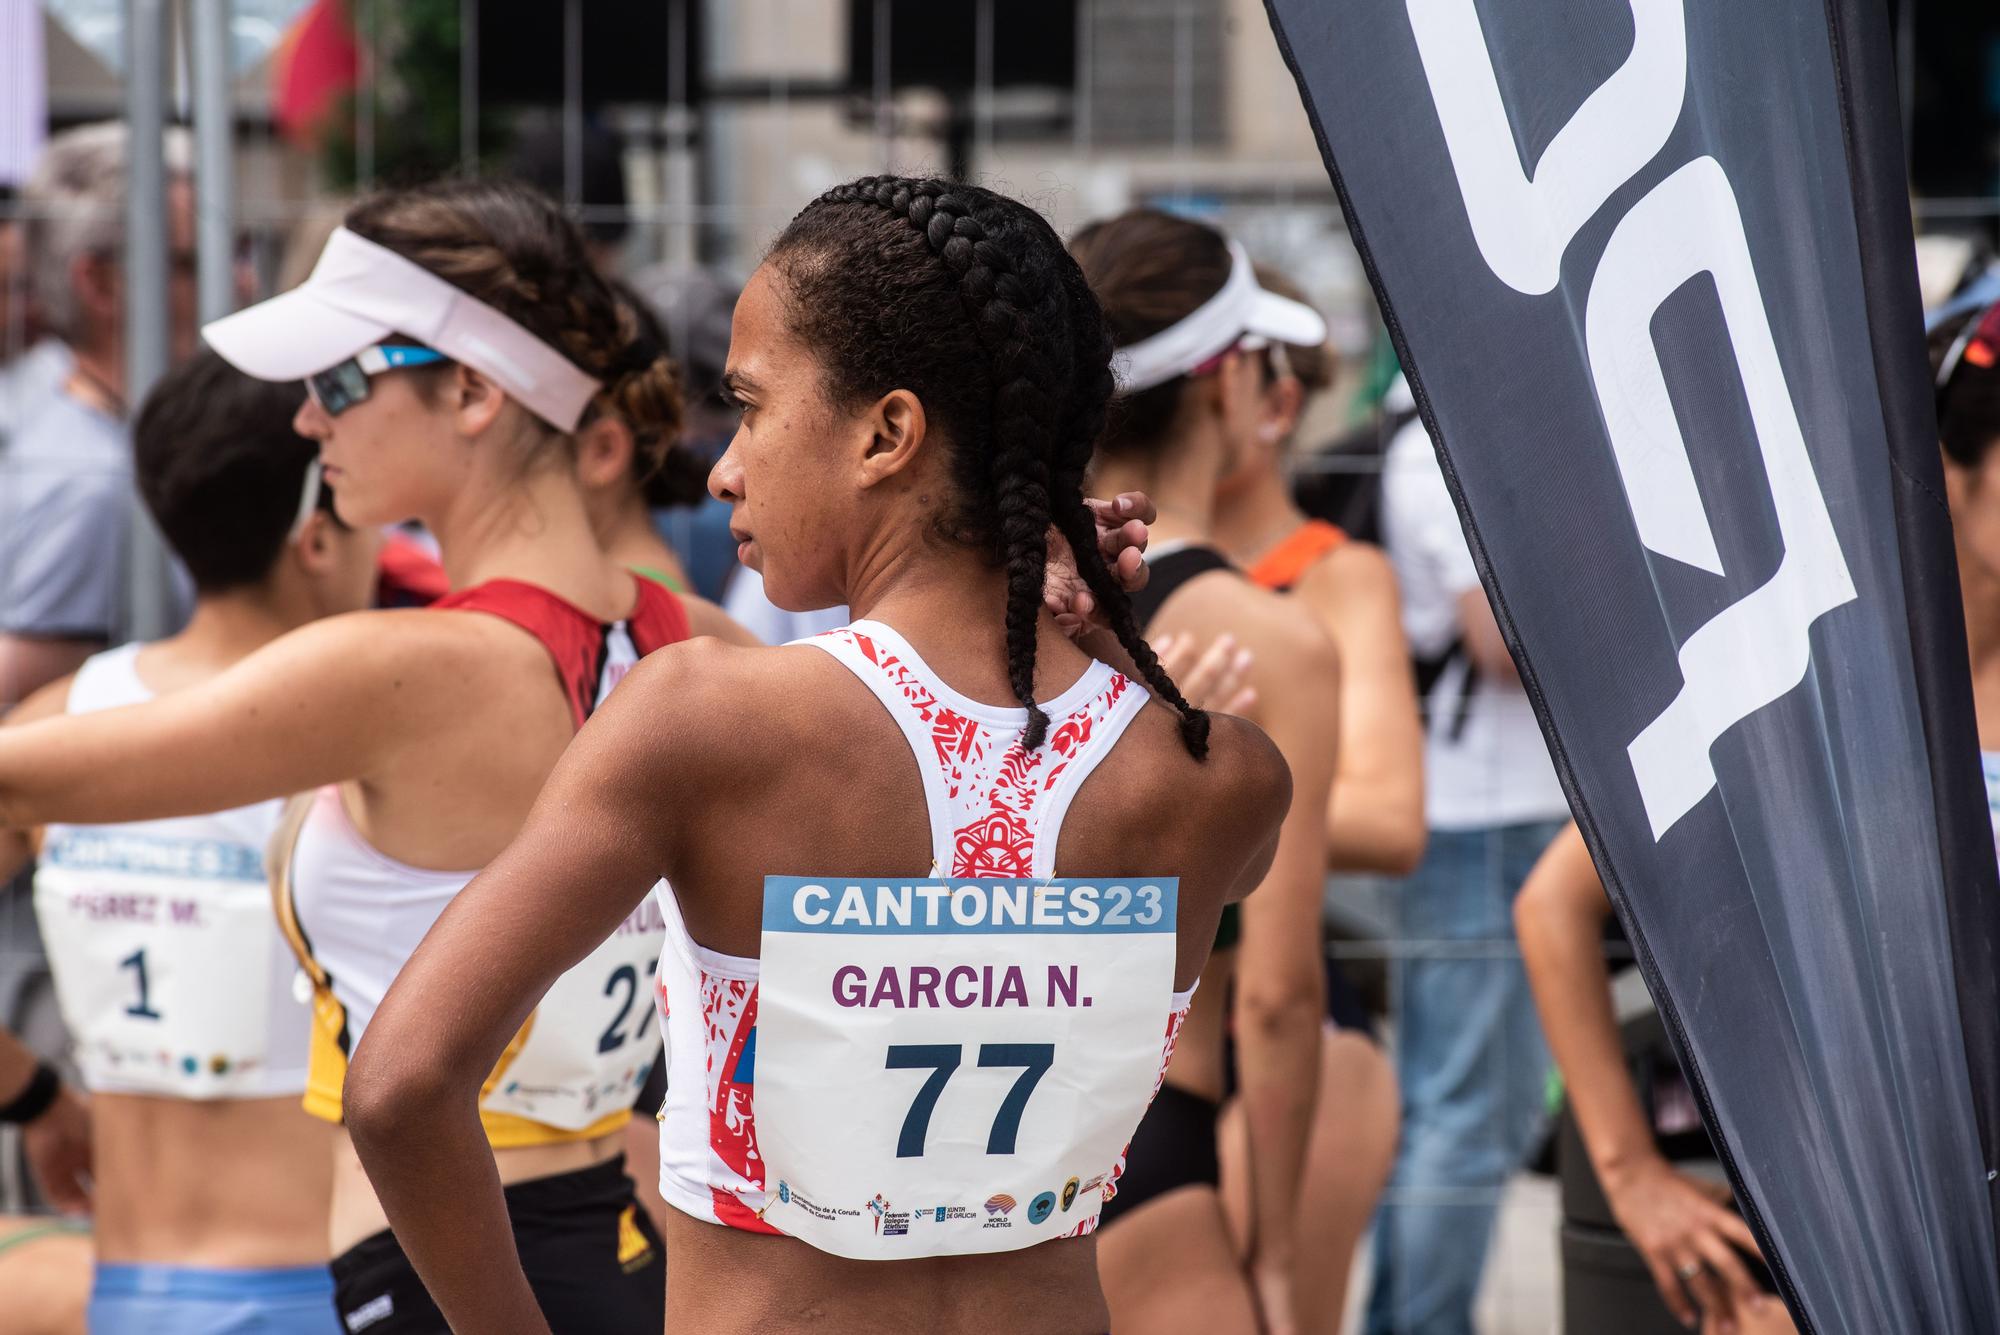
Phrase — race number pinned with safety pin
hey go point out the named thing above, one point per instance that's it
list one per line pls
(953, 1067)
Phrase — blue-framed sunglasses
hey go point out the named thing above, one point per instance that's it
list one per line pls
(339, 388)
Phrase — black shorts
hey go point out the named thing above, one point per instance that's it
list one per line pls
(1174, 1147)
(592, 1257)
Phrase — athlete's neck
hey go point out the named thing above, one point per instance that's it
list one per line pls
(534, 529)
(627, 534)
(225, 628)
(951, 605)
(1255, 516)
(1181, 484)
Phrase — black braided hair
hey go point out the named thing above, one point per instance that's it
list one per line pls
(968, 300)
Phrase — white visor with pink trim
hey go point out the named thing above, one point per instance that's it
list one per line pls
(1241, 310)
(360, 294)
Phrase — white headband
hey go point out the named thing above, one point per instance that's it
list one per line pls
(360, 293)
(1241, 307)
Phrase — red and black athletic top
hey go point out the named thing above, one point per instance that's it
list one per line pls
(590, 655)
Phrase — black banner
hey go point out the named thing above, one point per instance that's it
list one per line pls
(1648, 265)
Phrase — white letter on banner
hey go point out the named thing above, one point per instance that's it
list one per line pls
(1758, 648)
(1522, 223)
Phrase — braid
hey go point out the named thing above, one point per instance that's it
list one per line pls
(1023, 444)
(1024, 417)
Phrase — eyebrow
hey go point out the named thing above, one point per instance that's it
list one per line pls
(735, 382)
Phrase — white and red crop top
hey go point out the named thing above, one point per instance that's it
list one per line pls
(354, 915)
(995, 811)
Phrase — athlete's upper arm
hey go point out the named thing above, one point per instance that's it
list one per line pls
(327, 702)
(1258, 792)
(48, 702)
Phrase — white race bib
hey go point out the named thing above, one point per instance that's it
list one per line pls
(591, 1042)
(169, 967)
(953, 1068)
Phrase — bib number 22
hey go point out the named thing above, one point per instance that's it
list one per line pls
(941, 1060)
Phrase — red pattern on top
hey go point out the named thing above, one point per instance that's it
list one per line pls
(1000, 839)
(576, 640)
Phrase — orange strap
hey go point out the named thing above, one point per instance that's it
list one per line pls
(1284, 564)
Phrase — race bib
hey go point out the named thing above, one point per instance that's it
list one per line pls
(953, 1067)
(591, 1042)
(169, 967)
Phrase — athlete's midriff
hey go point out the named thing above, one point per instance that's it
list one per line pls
(1199, 1052)
(233, 1183)
(357, 1214)
(732, 1282)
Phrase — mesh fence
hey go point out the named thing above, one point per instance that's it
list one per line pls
(683, 135)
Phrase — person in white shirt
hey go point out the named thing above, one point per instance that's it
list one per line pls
(1469, 1053)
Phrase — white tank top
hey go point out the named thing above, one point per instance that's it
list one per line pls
(170, 970)
(994, 813)
(355, 915)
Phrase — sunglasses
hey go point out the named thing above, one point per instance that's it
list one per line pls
(339, 388)
(1978, 343)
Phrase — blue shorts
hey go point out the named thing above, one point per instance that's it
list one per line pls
(190, 1300)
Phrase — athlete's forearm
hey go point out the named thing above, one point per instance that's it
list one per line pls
(1370, 826)
(1559, 918)
(428, 1160)
(1277, 1043)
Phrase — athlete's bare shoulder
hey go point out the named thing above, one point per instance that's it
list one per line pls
(719, 706)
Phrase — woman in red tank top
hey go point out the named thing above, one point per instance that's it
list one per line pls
(455, 340)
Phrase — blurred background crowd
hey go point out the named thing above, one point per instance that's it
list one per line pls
(682, 134)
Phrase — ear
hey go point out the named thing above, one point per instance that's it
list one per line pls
(313, 548)
(603, 453)
(476, 400)
(896, 431)
(1284, 400)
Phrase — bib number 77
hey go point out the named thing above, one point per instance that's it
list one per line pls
(942, 1060)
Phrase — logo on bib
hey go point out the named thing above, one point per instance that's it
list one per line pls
(1041, 1207)
(1069, 1194)
(1000, 1204)
(784, 1191)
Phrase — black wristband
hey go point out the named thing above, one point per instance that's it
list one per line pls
(33, 1101)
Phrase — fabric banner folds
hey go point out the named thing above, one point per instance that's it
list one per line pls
(1649, 268)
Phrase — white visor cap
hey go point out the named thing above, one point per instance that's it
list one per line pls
(361, 293)
(1240, 308)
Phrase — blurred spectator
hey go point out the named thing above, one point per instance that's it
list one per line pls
(695, 306)
(1469, 1053)
(66, 499)
(31, 364)
(541, 158)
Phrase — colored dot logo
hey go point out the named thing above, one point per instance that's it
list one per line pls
(1041, 1207)
(1069, 1194)
(1000, 1204)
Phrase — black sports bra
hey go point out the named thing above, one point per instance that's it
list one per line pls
(1171, 570)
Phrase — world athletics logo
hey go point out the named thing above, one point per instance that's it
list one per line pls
(1000, 1204)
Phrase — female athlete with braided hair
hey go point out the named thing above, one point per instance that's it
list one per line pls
(942, 882)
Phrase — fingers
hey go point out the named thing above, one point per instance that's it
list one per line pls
(1728, 1265)
(1130, 568)
(1669, 1285)
(1126, 505)
(1241, 703)
(1736, 1230)
(1710, 1294)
